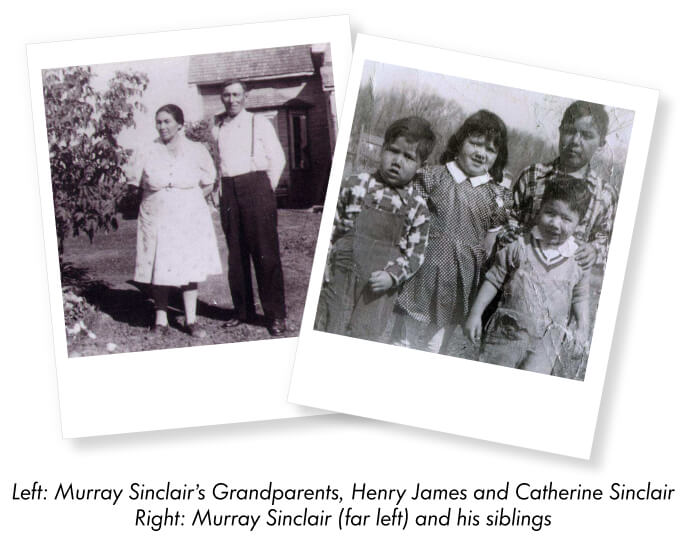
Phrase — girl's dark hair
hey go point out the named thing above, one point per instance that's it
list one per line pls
(413, 129)
(574, 192)
(580, 109)
(482, 123)
(173, 110)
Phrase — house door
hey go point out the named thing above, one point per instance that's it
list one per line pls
(299, 159)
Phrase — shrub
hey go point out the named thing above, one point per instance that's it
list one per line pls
(86, 161)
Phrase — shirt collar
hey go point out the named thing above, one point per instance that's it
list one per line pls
(182, 142)
(404, 193)
(590, 175)
(566, 249)
(459, 176)
(224, 119)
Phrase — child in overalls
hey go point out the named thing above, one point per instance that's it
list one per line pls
(542, 282)
(380, 234)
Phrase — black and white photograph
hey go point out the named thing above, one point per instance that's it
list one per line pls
(473, 220)
(469, 239)
(182, 178)
(186, 193)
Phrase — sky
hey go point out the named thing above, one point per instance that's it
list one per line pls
(529, 111)
(168, 85)
(532, 112)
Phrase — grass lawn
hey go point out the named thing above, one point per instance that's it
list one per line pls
(460, 346)
(118, 311)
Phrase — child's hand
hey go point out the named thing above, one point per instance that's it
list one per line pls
(585, 255)
(327, 272)
(581, 339)
(508, 234)
(380, 281)
(472, 328)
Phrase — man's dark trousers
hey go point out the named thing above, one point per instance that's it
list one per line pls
(249, 219)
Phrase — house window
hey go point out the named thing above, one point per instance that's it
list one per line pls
(299, 150)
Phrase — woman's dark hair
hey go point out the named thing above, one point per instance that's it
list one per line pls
(573, 192)
(482, 123)
(413, 129)
(173, 110)
(580, 109)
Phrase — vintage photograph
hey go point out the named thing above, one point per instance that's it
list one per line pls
(182, 176)
(187, 194)
(473, 245)
(473, 220)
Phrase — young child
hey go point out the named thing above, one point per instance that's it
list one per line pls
(541, 281)
(583, 129)
(466, 200)
(380, 234)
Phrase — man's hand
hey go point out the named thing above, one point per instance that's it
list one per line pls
(472, 328)
(380, 281)
(585, 255)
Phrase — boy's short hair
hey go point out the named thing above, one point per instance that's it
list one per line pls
(413, 129)
(580, 109)
(481, 123)
(573, 192)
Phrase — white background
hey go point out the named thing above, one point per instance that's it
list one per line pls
(241, 382)
(433, 391)
(640, 432)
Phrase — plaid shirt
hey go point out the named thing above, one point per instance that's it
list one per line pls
(596, 225)
(394, 200)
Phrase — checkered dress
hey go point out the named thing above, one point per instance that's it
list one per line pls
(443, 289)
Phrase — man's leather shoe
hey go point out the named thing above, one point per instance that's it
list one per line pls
(277, 326)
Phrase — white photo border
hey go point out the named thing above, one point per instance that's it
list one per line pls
(460, 396)
(198, 386)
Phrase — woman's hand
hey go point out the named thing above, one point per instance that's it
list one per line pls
(585, 255)
(207, 189)
(380, 281)
(472, 328)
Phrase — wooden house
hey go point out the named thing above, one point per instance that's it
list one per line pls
(293, 88)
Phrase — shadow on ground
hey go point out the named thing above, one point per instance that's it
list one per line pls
(118, 312)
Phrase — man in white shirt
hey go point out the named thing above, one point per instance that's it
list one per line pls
(251, 162)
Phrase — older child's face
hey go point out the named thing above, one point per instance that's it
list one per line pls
(578, 142)
(399, 161)
(477, 155)
(556, 221)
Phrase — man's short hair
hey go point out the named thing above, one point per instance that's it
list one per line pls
(580, 109)
(233, 81)
(413, 129)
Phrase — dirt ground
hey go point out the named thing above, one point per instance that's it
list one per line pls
(117, 312)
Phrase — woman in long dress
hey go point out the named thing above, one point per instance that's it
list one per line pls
(176, 245)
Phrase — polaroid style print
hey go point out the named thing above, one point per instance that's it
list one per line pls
(472, 248)
(181, 175)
